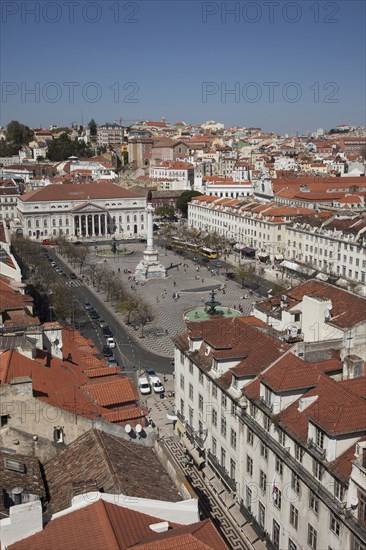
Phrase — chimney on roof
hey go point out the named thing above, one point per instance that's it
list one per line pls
(352, 367)
(159, 527)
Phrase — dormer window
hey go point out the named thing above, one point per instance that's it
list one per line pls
(207, 350)
(58, 435)
(319, 438)
(215, 365)
(234, 382)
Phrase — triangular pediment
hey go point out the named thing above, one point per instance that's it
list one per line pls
(88, 207)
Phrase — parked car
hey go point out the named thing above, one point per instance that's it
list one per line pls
(107, 332)
(107, 352)
(112, 361)
(48, 241)
(110, 342)
(88, 306)
(102, 323)
(156, 385)
(217, 264)
(77, 243)
(144, 385)
(150, 373)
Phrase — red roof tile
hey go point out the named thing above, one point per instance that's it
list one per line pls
(112, 392)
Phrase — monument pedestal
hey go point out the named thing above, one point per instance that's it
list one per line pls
(150, 267)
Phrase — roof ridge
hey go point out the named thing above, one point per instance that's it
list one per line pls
(109, 524)
(106, 456)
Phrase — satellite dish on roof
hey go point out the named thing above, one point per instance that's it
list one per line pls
(138, 428)
(128, 428)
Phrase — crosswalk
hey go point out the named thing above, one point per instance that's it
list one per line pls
(74, 283)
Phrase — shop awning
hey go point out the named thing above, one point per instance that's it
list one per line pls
(322, 277)
(292, 266)
(196, 457)
(279, 257)
(248, 250)
(237, 247)
(188, 445)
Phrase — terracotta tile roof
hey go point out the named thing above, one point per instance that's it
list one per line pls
(357, 386)
(97, 459)
(347, 308)
(198, 536)
(291, 372)
(11, 298)
(234, 339)
(342, 466)
(112, 392)
(101, 372)
(335, 410)
(77, 192)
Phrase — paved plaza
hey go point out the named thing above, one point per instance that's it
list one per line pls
(186, 286)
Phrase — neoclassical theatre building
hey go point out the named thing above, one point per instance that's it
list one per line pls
(82, 210)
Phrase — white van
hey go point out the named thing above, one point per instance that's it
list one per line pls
(156, 385)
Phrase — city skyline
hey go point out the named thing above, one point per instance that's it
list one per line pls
(283, 66)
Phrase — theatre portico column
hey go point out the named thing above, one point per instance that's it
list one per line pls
(93, 225)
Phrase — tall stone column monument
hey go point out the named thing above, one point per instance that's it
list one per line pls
(149, 267)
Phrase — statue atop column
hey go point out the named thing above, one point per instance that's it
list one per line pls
(150, 267)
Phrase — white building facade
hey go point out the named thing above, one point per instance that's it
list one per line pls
(82, 210)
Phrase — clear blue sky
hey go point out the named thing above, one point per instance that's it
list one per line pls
(168, 50)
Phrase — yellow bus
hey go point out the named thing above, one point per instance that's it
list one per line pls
(208, 252)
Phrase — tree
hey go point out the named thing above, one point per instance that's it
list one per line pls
(18, 133)
(183, 200)
(63, 147)
(93, 127)
(165, 210)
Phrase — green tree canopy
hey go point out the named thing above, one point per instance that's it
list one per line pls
(18, 133)
(183, 200)
(165, 210)
(93, 127)
(63, 147)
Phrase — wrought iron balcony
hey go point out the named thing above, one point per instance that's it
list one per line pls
(231, 483)
(181, 417)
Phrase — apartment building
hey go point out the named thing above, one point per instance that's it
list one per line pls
(335, 246)
(178, 172)
(281, 422)
(8, 202)
(110, 134)
(259, 226)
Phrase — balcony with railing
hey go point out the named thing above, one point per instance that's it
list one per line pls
(181, 417)
(223, 473)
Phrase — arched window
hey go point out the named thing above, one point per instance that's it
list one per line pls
(45, 233)
(142, 217)
(53, 222)
(135, 218)
(114, 219)
(128, 228)
(54, 232)
(128, 219)
(29, 223)
(120, 219)
(67, 222)
(142, 227)
(60, 221)
(44, 223)
(29, 233)
(37, 223)
(67, 231)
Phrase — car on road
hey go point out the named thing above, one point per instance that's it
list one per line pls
(144, 385)
(93, 241)
(73, 276)
(102, 323)
(94, 314)
(107, 332)
(107, 352)
(156, 385)
(88, 306)
(150, 373)
(217, 264)
(110, 342)
(112, 361)
(77, 243)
